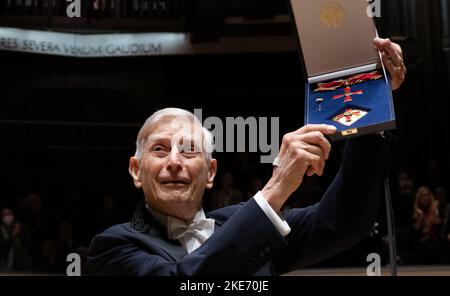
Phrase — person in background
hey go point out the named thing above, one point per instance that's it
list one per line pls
(227, 195)
(426, 222)
(14, 243)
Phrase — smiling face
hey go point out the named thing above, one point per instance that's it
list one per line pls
(173, 171)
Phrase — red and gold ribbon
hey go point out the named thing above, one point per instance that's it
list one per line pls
(333, 85)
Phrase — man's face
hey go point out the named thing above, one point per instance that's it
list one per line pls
(173, 171)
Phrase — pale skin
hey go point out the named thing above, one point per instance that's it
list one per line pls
(172, 177)
(392, 56)
(174, 180)
(302, 152)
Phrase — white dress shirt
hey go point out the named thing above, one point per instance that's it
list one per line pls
(192, 234)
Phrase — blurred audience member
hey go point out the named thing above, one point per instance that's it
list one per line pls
(433, 176)
(426, 222)
(63, 246)
(256, 185)
(441, 196)
(404, 200)
(403, 206)
(14, 244)
(47, 257)
(309, 193)
(444, 211)
(109, 214)
(41, 223)
(227, 195)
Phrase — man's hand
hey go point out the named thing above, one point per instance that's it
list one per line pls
(392, 56)
(302, 152)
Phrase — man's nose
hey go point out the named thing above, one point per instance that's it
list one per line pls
(174, 163)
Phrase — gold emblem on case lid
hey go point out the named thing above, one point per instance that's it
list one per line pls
(332, 14)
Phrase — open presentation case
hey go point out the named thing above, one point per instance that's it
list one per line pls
(346, 83)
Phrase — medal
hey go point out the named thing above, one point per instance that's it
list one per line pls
(350, 116)
(347, 94)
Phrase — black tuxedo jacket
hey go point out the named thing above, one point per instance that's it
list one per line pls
(245, 242)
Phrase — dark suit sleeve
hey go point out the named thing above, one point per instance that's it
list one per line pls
(246, 242)
(347, 211)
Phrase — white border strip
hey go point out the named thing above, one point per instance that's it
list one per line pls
(136, 44)
(342, 73)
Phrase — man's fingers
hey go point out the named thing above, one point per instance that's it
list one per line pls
(397, 74)
(323, 128)
(308, 147)
(392, 57)
(303, 160)
(312, 163)
(389, 65)
(396, 54)
(313, 138)
(316, 150)
(392, 49)
(319, 139)
(312, 170)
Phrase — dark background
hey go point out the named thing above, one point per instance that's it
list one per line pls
(68, 125)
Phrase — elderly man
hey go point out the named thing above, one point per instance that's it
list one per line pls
(171, 235)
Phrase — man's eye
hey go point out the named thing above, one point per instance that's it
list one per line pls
(186, 149)
(189, 150)
(158, 148)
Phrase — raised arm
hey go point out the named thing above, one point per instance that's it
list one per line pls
(347, 211)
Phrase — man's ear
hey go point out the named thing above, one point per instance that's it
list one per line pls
(212, 170)
(135, 171)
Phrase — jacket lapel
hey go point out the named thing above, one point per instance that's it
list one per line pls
(144, 223)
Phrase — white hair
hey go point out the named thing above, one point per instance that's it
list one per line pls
(208, 138)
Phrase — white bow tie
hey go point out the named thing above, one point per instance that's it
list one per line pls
(191, 234)
(201, 229)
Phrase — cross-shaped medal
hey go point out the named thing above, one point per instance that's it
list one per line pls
(347, 94)
(348, 115)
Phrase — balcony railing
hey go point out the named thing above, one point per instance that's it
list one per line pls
(148, 15)
(207, 20)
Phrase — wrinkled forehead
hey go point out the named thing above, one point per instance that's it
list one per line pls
(175, 127)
